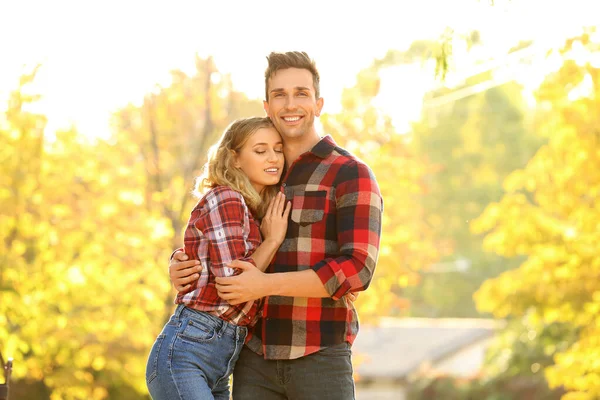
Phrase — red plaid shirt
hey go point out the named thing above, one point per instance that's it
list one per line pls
(334, 229)
(221, 229)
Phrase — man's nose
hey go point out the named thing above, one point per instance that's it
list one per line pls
(290, 103)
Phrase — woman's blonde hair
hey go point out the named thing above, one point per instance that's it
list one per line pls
(220, 170)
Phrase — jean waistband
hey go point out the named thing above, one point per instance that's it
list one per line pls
(222, 327)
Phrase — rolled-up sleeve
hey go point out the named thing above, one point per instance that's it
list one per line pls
(359, 209)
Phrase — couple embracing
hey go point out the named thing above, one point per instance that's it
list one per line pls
(285, 234)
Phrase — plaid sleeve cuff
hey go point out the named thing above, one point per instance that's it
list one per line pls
(333, 279)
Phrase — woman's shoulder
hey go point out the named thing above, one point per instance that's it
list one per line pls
(219, 194)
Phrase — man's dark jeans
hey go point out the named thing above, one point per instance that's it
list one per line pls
(326, 374)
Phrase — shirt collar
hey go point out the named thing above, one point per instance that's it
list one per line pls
(325, 147)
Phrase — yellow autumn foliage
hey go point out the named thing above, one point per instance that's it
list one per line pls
(551, 215)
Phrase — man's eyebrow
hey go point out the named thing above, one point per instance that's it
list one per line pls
(283, 90)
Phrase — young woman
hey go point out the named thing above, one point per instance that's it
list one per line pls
(194, 355)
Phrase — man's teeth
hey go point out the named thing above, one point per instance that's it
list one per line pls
(291, 119)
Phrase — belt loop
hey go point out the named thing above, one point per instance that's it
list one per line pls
(242, 332)
(223, 327)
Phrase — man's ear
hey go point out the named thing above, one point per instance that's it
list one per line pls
(320, 103)
(266, 107)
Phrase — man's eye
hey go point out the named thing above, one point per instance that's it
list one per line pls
(302, 94)
(278, 95)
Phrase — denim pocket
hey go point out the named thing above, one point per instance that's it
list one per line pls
(196, 331)
(338, 350)
(152, 366)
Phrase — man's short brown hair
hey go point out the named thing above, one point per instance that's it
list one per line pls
(290, 59)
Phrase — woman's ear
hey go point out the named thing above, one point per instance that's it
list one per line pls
(235, 159)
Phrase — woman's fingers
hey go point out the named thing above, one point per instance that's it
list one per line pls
(278, 207)
(269, 208)
(288, 208)
(352, 296)
(280, 203)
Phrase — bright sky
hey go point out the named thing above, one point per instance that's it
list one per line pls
(98, 56)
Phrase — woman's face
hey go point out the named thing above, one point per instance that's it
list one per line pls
(261, 158)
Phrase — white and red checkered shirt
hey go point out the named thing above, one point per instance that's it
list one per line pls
(221, 229)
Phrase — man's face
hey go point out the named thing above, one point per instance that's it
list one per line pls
(292, 105)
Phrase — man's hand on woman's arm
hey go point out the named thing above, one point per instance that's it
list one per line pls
(183, 272)
(252, 284)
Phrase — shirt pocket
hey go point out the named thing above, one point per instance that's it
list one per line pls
(308, 207)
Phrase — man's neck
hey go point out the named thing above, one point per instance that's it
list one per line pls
(293, 149)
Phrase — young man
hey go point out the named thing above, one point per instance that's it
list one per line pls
(300, 348)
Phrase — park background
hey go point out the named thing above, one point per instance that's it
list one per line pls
(480, 120)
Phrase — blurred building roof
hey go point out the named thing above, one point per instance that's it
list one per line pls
(398, 347)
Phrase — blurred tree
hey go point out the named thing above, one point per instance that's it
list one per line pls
(87, 230)
(79, 281)
(171, 131)
(550, 215)
(474, 143)
(470, 145)
(526, 347)
(169, 135)
(406, 242)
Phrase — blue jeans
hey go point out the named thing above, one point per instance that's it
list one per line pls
(326, 374)
(193, 357)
